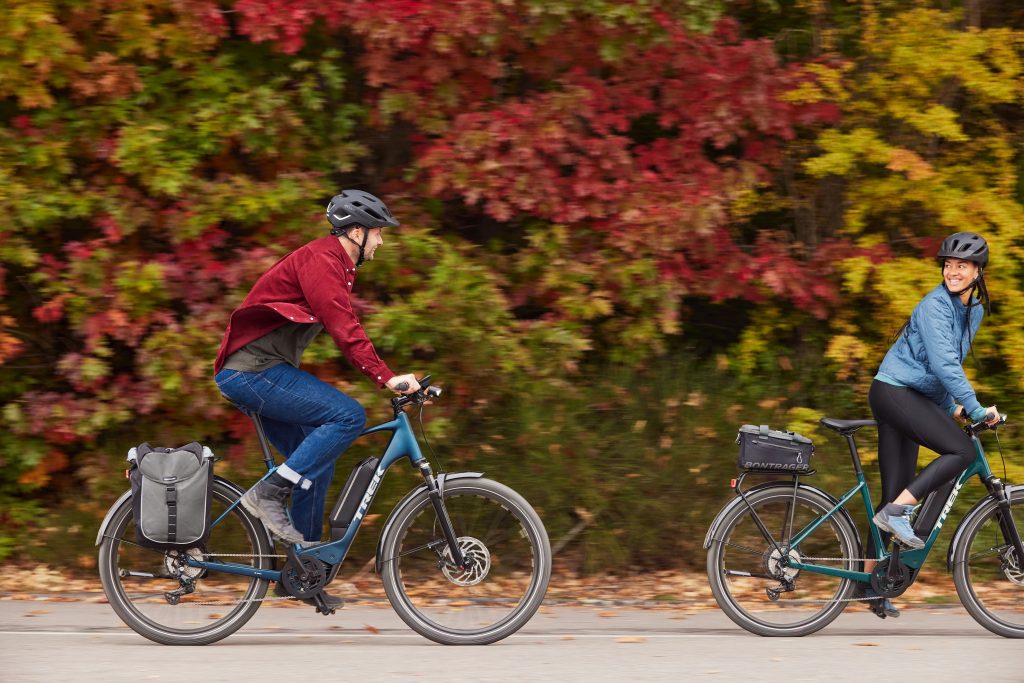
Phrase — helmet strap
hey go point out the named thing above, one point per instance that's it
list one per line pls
(362, 247)
(971, 287)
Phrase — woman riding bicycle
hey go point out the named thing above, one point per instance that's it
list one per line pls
(920, 385)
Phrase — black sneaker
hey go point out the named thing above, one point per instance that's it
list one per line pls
(267, 501)
(881, 607)
(333, 601)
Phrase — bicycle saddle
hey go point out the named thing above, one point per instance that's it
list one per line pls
(846, 426)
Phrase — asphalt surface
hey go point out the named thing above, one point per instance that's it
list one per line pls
(79, 641)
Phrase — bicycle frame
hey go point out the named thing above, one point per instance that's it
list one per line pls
(402, 444)
(912, 558)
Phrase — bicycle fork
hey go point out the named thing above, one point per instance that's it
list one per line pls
(1005, 516)
(442, 516)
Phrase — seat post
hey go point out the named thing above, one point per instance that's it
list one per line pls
(268, 457)
(853, 453)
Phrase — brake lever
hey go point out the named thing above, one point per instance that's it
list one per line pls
(981, 425)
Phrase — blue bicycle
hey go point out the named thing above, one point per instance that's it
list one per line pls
(464, 560)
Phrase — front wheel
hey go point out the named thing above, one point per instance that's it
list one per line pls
(161, 597)
(493, 597)
(748, 570)
(988, 575)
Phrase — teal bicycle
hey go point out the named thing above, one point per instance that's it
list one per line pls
(464, 560)
(784, 557)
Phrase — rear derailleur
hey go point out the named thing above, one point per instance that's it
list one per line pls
(187, 586)
(786, 585)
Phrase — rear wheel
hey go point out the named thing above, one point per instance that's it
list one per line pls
(485, 602)
(988, 575)
(750, 579)
(160, 597)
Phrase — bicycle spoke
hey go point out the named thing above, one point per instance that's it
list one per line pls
(759, 553)
(755, 584)
(494, 592)
(990, 578)
(165, 599)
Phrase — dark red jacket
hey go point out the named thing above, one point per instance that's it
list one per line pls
(313, 284)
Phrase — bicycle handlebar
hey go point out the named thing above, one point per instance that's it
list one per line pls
(981, 425)
(424, 394)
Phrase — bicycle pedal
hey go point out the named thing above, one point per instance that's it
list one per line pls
(321, 605)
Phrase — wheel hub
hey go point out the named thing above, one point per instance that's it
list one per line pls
(775, 566)
(174, 562)
(478, 563)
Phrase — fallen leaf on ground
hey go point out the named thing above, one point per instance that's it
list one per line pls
(631, 639)
(372, 629)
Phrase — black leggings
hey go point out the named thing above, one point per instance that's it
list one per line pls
(906, 420)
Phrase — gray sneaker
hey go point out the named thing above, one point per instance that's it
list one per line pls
(899, 526)
(266, 501)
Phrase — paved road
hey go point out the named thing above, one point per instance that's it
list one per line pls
(76, 641)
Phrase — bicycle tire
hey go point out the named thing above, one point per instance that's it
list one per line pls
(729, 599)
(141, 601)
(980, 571)
(478, 508)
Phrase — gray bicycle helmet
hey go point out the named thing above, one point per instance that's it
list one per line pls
(354, 208)
(967, 246)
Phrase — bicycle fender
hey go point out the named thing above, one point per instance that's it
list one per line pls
(979, 508)
(712, 534)
(128, 494)
(402, 504)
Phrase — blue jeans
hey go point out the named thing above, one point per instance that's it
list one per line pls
(310, 422)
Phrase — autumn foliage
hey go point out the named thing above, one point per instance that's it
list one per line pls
(594, 194)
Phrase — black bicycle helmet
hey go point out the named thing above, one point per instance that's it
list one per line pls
(967, 246)
(354, 208)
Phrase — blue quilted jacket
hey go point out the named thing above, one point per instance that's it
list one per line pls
(928, 357)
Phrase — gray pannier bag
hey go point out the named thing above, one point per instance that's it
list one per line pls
(171, 491)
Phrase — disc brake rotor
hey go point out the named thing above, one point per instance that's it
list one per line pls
(176, 567)
(476, 571)
(1011, 567)
(775, 568)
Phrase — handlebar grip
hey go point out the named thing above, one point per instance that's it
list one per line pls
(402, 386)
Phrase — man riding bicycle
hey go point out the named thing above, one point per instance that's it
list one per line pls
(310, 422)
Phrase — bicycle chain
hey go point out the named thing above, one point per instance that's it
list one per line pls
(822, 559)
(239, 602)
(208, 555)
(834, 600)
(822, 602)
